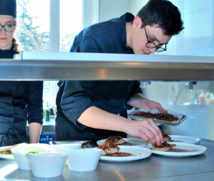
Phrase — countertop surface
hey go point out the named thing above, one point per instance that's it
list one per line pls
(158, 168)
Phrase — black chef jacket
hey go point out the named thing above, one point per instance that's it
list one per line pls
(74, 97)
(19, 102)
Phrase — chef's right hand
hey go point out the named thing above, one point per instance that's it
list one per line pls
(146, 129)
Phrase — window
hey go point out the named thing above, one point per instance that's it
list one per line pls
(48, 25)
(70, 22)
(33, 25)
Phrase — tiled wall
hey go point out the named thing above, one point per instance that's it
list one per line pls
(197, 37)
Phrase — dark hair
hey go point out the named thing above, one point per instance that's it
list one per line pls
(15, 46)
(164, 14)
(15, 43)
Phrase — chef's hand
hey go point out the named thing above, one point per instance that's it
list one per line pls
(139, 101)
(149, 104)
(146, 129)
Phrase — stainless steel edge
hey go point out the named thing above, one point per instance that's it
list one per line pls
(114, 67)
(47, 70)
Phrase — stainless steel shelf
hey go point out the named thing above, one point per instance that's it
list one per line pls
(108, 67)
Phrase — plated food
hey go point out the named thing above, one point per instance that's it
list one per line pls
(182, 150)
(127, 142)
(163, 147)
(110, 147)
(137, 153)
(7, 150)
(166, 137)
(4, 152)
(111, 151)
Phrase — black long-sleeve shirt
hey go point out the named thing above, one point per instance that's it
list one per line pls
(74, 97)
(20, 100)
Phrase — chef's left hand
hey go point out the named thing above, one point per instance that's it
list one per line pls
(149, 104)
(139, 101)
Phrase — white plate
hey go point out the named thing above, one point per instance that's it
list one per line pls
(138, 153)
(185, 139)
(194, 150)
(137, 141)
(4, 155)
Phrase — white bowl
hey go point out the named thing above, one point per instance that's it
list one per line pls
(48, 164)
(84, 159)
(64, 148)
(20, 151)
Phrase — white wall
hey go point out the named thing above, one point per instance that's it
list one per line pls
(109, 9)
(197, 37)
(137, 5)
(90, 12)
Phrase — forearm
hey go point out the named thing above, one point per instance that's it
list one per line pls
(136, 100)
(100, 119)
(34, 132)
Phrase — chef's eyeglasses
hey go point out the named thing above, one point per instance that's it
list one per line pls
(8, 27)
(150, 44)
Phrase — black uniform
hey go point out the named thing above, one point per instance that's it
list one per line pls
(74, 97)
(19, 102)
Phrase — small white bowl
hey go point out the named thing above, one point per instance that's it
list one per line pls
(64, 148)
(20, 151)
(48, 164)
(84, 159)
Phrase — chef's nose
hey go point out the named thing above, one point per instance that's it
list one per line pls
(2, 31)
(152, 50)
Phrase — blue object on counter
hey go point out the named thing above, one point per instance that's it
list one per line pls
(46, 138)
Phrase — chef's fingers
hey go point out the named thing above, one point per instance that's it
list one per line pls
(145, 137)
(158, 130)
(160, 108)
(152, 132)
(149, 134)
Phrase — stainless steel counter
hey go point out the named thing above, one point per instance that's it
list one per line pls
(158, 168)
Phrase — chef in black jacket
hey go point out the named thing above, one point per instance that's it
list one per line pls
(19, 101)
(90, 109)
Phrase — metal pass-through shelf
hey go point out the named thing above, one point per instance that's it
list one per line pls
(98, 66)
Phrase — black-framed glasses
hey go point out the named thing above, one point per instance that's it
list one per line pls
(8, 27)
(150, 44)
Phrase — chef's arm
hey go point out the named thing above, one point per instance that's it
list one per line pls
(139, 101)
(97, 118)
(34, 132)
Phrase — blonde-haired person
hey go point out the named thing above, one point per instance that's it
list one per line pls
(19, 101)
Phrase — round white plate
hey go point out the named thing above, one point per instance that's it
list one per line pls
(185, 139)
(137, 141)
(194, 150)
(4, 155)
(138, 153)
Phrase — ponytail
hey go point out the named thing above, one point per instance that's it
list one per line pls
(15, 45)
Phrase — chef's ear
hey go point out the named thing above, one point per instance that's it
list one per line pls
(137, 23)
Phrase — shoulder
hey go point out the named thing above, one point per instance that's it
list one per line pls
(95, 31)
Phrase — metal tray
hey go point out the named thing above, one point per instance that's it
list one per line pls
(181, 117)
